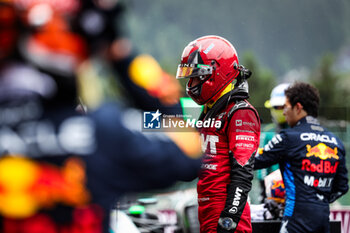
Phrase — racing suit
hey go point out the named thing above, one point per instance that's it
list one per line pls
(312, 163)
(227, 169)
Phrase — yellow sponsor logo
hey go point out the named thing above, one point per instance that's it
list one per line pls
(322, 151)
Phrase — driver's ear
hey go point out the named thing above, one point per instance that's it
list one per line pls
(299, 106)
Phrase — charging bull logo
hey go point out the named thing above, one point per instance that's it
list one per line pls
(322, 151)
(27, 186)
(278, 191)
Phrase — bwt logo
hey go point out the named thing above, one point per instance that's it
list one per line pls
(151, 120)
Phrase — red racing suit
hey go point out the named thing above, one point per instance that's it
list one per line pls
(227, 169)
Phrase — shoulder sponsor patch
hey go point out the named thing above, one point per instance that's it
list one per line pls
(245, 138)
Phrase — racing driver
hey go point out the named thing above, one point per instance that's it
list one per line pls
(312, 163)
(217, 81)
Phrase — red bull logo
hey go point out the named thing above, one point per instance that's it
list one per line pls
(277, 190)
(322, 151)
(27, 186)
(322, 167)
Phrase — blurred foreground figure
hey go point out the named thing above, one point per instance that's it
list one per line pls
(217, 81)
(144, 84)
(312, 162)
(61, 171)
(275, 104)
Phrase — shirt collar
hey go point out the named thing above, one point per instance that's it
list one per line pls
(308, 120)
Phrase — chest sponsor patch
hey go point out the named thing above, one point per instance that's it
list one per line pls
(323, 154)
(318, 138)
(209, 141)
(320, 182)
(322, 151)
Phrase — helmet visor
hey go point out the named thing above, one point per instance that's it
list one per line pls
(193, 70)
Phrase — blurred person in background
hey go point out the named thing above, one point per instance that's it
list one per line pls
(109, 67)
(311, 160)
(61, 171)
(275, 104)
(142, 81)
(217, 81)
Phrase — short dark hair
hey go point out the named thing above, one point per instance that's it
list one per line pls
(307, 95)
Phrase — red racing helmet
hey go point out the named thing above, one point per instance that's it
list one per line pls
(214, 61)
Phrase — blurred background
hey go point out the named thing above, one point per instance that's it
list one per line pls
(280, 41)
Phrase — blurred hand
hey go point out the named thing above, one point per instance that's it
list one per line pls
(146, 72)
(188, 140)
(169, 91)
